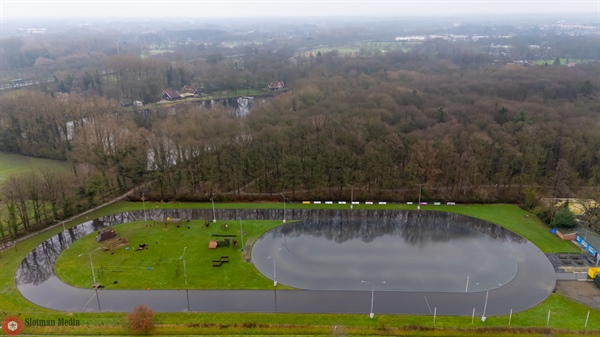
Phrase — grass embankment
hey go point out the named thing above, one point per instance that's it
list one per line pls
(565, 314)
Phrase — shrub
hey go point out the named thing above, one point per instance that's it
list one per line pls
(141, 319)
(564, 218)
(543, 213)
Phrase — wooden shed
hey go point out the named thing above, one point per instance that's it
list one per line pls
(105, 235)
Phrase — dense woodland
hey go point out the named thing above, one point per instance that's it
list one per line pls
(466, 128)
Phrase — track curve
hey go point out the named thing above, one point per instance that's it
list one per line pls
(36, 281)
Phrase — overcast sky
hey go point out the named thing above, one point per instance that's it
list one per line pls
(253, 8)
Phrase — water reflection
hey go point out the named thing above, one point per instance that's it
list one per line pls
(38, 266)
(416, 228)
(411, 251)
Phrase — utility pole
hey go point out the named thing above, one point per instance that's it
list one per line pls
(283, 206)
(212, 199)
(419, 203)
(184, 271)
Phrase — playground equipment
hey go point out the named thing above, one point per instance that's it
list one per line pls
(114, 243)
(226, 242)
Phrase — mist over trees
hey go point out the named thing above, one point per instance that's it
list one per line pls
(470, 125)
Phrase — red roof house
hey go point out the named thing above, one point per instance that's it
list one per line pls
(276, 85)
(188, 90)
(170, 94)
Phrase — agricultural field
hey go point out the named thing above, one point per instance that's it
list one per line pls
(367, 47)
(153, 52)
(15, 163)
(563, 61)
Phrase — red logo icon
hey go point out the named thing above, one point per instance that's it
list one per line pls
(12, 325)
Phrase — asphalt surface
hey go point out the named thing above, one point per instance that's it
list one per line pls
(533, 283)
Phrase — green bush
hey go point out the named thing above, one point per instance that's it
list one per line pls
(564, 218)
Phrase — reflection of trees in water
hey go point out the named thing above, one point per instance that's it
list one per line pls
(418, 227)
(336, 225)
(38, 265)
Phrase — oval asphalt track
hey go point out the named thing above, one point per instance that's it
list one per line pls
(533, 283)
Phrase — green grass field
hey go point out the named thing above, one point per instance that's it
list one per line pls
(563, 61)
(154, 52)
(567, 317)
(160, 266)
(370, 46)
(15, 163)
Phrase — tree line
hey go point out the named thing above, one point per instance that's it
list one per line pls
(372, 126)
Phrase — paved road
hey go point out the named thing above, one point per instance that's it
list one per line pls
(533, 283)
(590, 236)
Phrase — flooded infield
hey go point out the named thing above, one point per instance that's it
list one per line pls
(413, 251)
(424, 257)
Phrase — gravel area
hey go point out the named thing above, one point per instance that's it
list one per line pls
(569, 263)
(583, 292)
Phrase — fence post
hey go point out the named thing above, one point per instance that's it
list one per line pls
(586, 320)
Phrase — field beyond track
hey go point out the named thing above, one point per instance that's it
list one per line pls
(15, 163)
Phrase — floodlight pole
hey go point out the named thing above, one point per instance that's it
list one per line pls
(92, 266)
(274, 269)
(212, 199)
(372, 314)
(93, 274)
(283, 206)
(419, 203)
(183, 258)
(351, 196)
(64, 230)
(485, 306)
(144, 205)
(242, 234)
